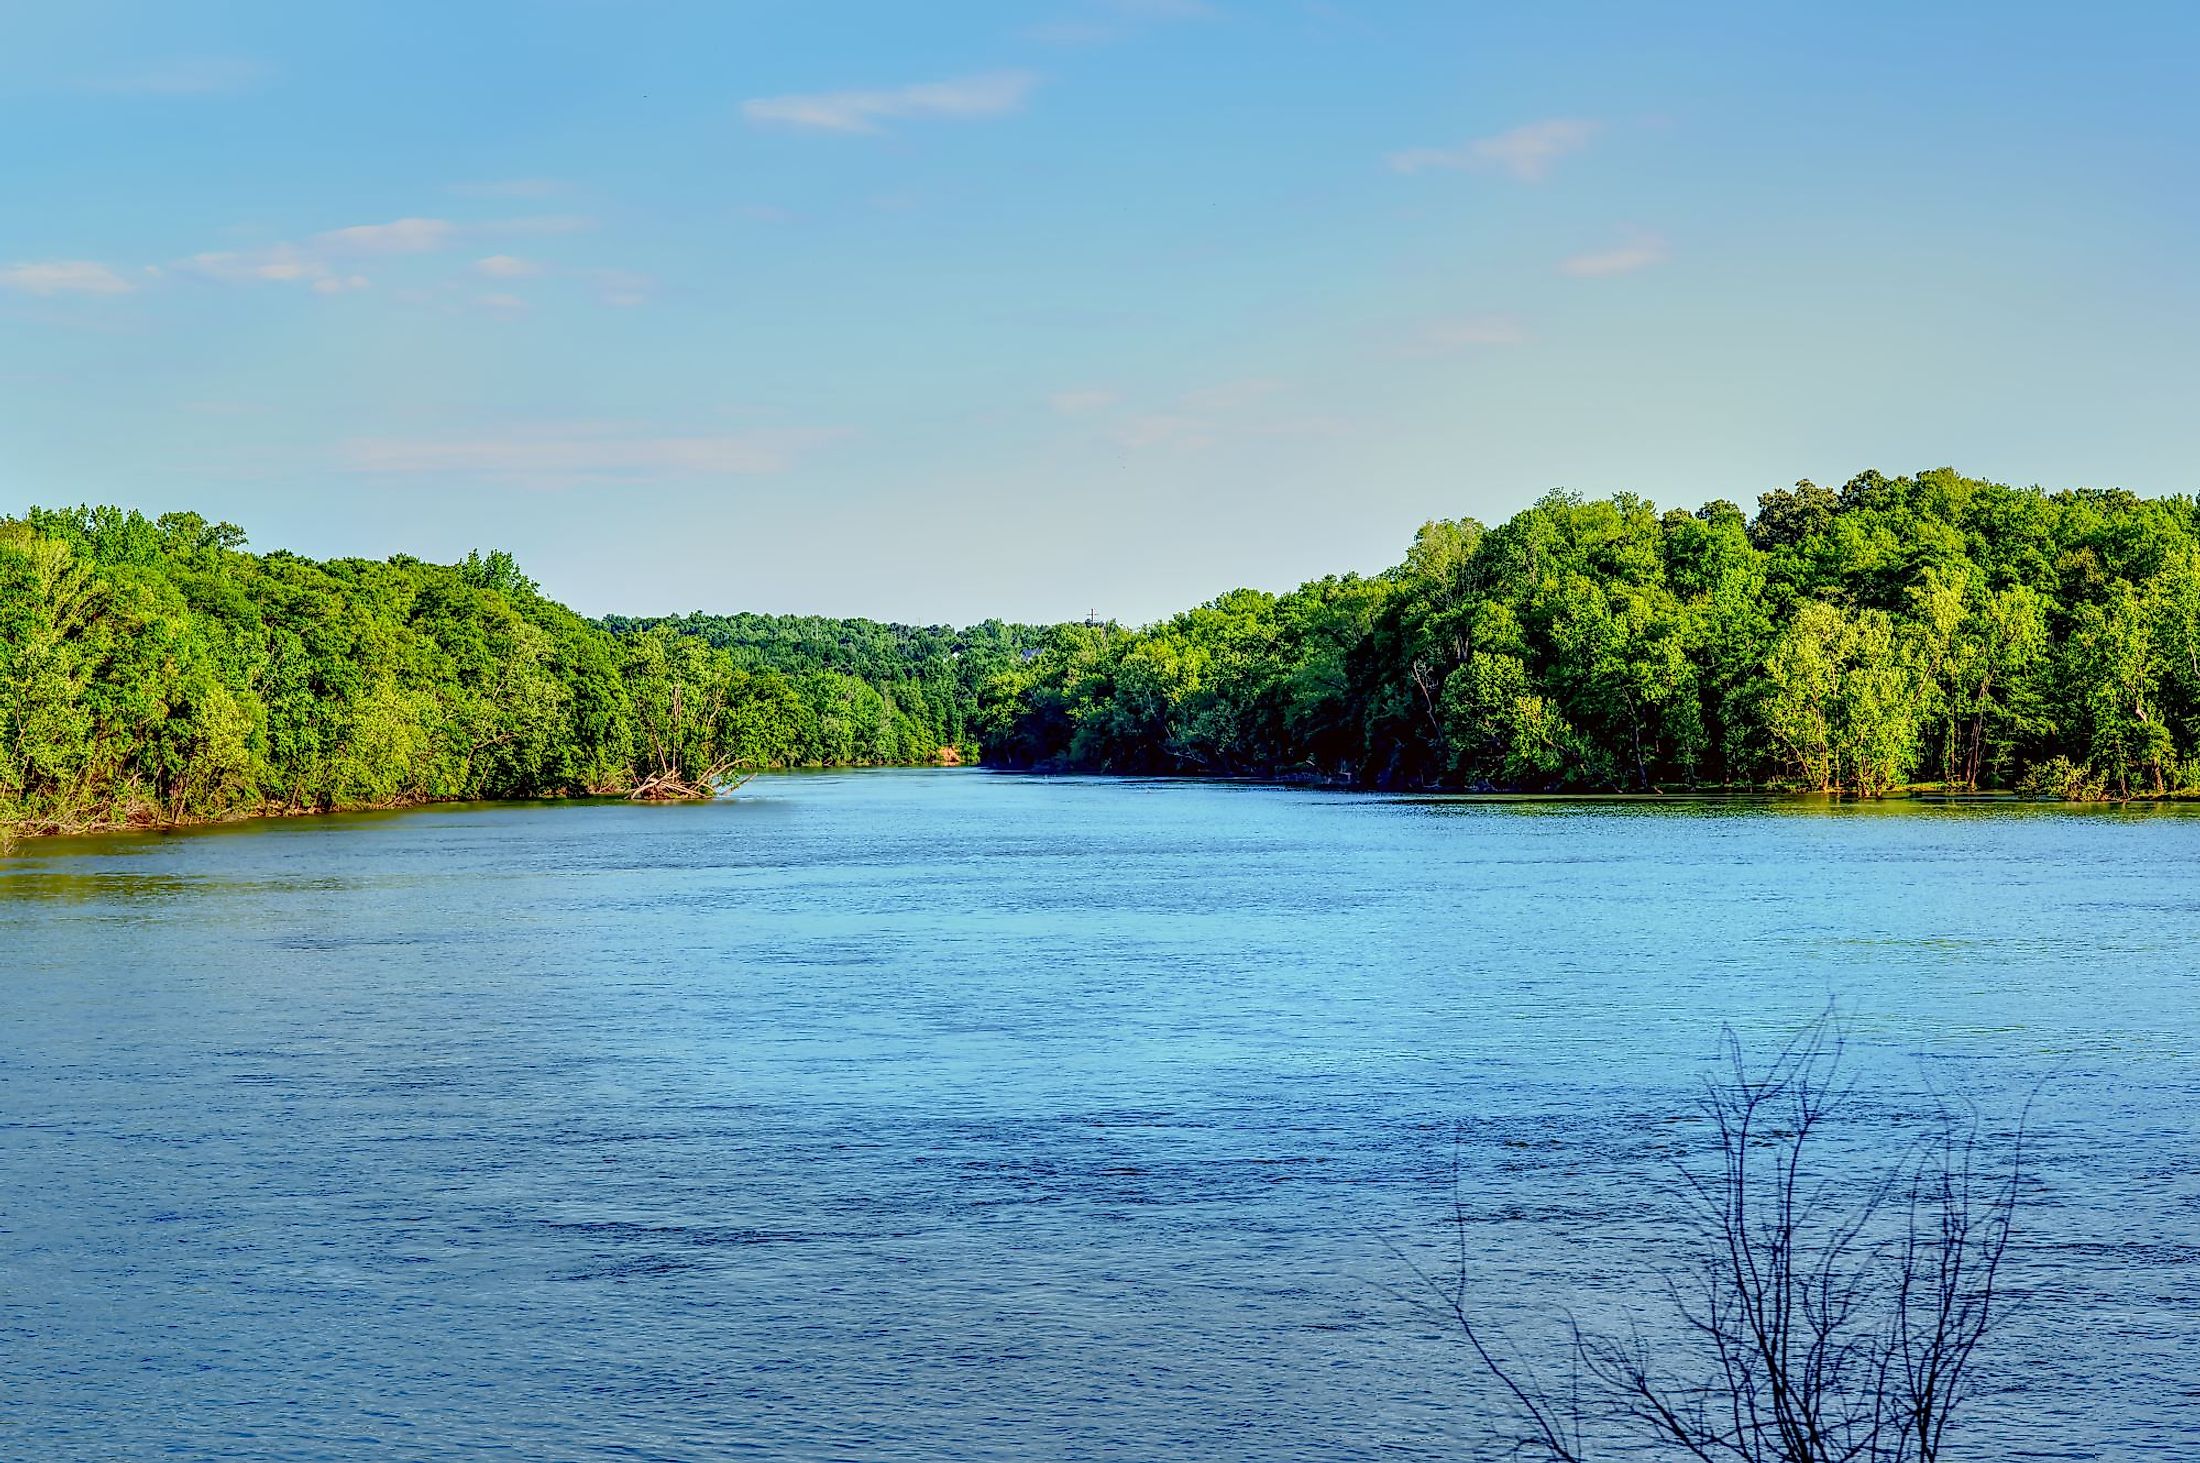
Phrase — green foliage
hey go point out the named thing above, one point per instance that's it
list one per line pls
(151, 671)
(1933, 628)
(2059, 779)
(844, 693)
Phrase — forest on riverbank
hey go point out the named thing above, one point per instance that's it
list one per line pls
(898, 692)
(152, 671)
(1933, 629)
(1929, 629)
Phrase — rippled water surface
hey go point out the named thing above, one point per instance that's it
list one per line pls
(961, 1116)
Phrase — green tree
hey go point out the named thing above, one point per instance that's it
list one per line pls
(2112, 667)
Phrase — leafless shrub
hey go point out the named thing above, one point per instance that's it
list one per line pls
(1824, 1319)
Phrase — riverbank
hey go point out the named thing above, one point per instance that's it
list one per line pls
(145, 815)
(2075, 794)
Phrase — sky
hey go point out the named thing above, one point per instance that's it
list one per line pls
(941, 312)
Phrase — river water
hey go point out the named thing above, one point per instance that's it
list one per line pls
(953, 1115)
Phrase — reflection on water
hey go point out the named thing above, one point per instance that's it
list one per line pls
(55, 878)
(946, 1115)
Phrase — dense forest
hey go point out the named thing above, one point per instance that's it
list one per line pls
(1932, 629)
(153, 671)
(881, 693)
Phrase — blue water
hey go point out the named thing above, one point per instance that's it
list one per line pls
(949, 1115)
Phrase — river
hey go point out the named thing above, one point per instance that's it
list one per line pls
(957, 1115)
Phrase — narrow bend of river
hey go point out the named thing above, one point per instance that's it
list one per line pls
(952, 1115)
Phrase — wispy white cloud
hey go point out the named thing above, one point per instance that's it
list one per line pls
(1231, 395)
(64, 277)
(275, 264)
(184, 76)
(573, 456)
(622, 288)
(1194, 421)
(1527, 153)
(402, 236)
(328, 262)
(968, 98)
(1148, 430)
(1638, 251)
(322, 264)
(1467, 332)
(430, 235)
(1082, 401)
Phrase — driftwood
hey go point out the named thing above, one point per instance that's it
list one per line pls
(669, 782)
(669, 785)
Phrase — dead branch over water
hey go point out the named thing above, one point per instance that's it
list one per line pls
(1824, 1319)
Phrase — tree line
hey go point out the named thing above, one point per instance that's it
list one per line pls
(1932, 629)
(882, 693)
(154, 671)
(1927, 629)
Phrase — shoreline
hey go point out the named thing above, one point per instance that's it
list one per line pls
(15, 837)
(1923, 792)
(19, 838)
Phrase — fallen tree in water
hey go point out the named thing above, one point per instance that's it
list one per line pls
(687, 731)
(671, 786)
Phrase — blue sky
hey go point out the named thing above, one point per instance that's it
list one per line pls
(935, 312)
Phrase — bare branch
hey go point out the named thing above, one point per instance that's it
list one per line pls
(1832, 1316)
